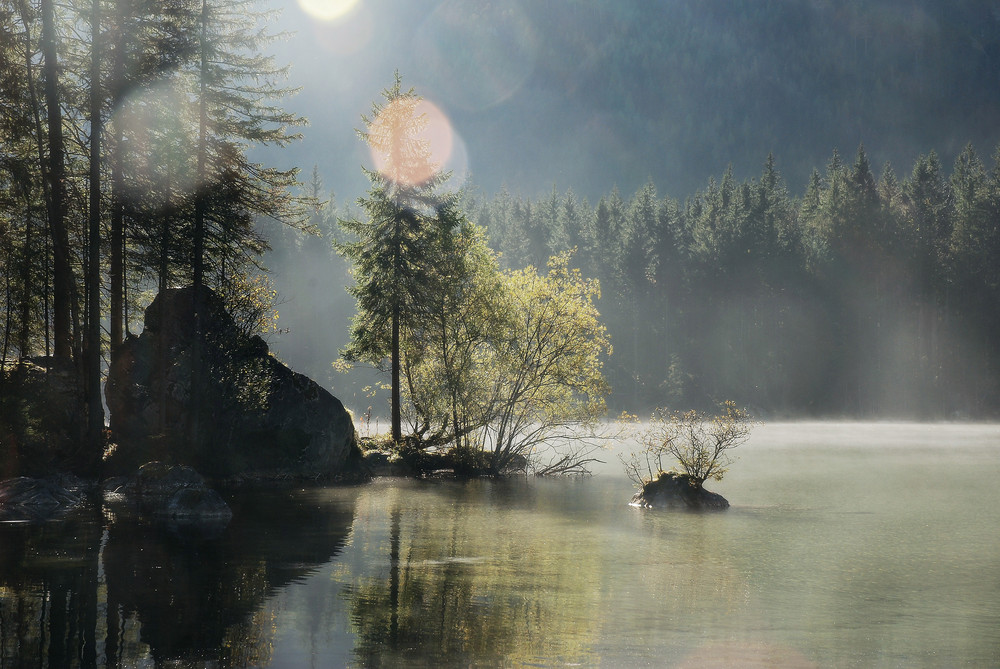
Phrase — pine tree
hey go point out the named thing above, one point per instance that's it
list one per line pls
(390, 248)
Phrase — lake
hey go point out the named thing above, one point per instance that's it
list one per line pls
(874, 545)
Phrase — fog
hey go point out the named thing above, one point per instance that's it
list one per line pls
(588, 95)
(558, 107)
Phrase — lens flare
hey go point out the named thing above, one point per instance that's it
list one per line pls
(327, 10)
(411, 142)
(160, 137)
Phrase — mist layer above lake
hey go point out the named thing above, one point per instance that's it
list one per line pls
(846, 545)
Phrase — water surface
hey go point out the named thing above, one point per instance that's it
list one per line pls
(846, 545)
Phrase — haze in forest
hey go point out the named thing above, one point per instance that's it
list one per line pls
(561, 106)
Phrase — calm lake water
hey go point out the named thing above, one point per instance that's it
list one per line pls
(847, 545)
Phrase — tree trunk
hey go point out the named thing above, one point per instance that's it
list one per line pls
(95, 407)
(117, 269)
(198, 261)
(61, 270)
(397, 422)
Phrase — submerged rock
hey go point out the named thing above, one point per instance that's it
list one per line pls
(33, 500)
(173, 493)
(673, 490)
(252, 418)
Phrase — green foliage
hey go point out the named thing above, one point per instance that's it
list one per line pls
(250, 300)
(510, 366)
(699, 443)
(545, 370)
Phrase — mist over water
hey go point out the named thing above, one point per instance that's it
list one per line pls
(847, 544)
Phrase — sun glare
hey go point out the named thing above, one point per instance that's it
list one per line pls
(414, 159)
(327, 10)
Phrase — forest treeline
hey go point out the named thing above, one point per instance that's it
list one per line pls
(867, 295)
(124, 168)
(870, 294)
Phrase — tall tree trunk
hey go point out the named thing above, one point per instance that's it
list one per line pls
(26, 259)
(24, 335)
(61, 269)
(95, 407)
(198, 261)
(395, 399)
(117, 269)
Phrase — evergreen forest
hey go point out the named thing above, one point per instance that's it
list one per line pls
(124, 169)
(871, 294)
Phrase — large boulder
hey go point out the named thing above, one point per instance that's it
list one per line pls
(673, 490)
(43, 418)
(251, 417)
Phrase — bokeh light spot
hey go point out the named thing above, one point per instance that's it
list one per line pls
(327, 10)
(412, 142)
(161, 139)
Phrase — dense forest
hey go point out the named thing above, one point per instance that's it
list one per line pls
(867, 295)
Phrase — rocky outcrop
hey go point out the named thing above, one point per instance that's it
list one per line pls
(672, 490)
(42, 418)
(251, 417)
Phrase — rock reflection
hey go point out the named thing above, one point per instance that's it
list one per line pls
(91, 592)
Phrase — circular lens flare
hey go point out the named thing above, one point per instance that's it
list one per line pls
(327, 10)
(159, 140)
(410, 142)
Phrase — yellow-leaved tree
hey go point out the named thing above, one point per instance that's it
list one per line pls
(697, 442)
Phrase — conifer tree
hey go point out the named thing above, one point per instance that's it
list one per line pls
(389, 248)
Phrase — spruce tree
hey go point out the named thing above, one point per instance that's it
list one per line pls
(389, 247)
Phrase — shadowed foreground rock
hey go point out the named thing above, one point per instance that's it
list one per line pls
(256, 419)
(673, 490)
(175, 494)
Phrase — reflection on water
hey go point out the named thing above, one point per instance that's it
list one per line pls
(847, 546)
(89, 591)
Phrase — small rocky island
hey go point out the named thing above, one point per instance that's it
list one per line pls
(673, 490)
(700, 444)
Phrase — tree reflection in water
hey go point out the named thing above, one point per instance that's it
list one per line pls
(453, 593)
(88, 591)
